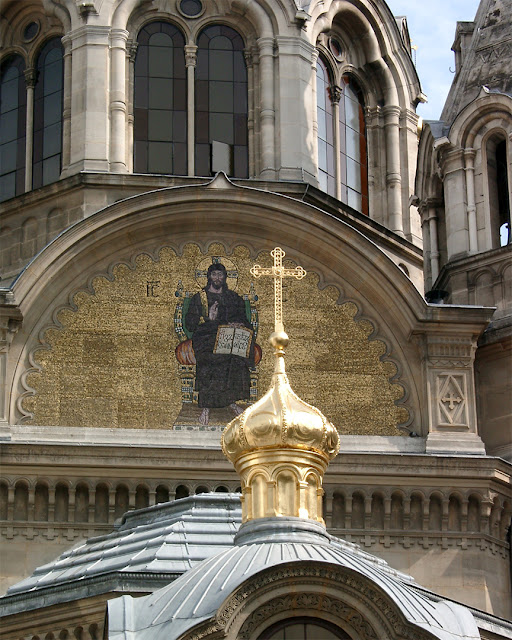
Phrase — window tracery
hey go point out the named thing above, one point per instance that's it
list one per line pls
(31, 120)
(190, 102)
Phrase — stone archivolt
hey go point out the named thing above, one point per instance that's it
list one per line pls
(310, 591)
(135, 328)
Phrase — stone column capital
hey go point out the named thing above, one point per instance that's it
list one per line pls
(391, 114)
(10, 321)
(131, 49)
(266, 46)
(469, 157)
(248, 55)
(190, 55)
(335, 93)
(30, 77)
(118, 37)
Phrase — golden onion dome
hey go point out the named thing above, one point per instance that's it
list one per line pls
(281, 447)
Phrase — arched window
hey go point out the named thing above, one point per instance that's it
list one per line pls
(160, 104)
(326, 165)
(48, 96)
(221, 103)
(13, 107)
(503, 193)
(353, 160)
(342, 155)
(304, 629)
(498, 191)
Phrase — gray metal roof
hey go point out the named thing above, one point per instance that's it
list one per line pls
(196, 596)
(149, 548)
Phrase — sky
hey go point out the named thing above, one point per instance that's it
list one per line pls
(432, 29)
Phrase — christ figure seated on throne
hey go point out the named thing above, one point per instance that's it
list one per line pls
(221, 344)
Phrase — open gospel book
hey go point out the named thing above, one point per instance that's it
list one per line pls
(233, 340)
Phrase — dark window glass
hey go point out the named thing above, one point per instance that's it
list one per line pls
(354, 166)
(13, 106)
(221, 103)
(304, 629)
(326, 177)
(48, 95)
(30, 31)
(160, 117)
(191, 7)
(503, 193)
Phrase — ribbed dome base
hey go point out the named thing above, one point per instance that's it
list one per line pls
(285, 529)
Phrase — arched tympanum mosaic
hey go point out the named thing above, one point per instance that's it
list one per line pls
(121, 354)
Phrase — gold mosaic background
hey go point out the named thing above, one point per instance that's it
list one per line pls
(113, 364)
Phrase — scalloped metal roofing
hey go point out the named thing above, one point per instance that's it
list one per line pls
(196, 596)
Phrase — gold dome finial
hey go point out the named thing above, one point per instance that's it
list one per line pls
(280, 446)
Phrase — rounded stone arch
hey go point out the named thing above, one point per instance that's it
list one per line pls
(16, 15)
(13, 52)
(472, 121)
(428, 184)
(332, 249)
(383, 49)
(339, 595)
(140, 19)
(481, 286)
(254, 19)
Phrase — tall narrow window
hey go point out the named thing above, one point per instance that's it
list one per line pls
(353, 159)
(503, 193)
(326, 170)
(498, 191)
(342, 158)
(221, 103)
(48, 94)
(13, 106)
(160, 113)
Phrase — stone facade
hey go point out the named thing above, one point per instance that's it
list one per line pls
(464, 186)
(413, 483)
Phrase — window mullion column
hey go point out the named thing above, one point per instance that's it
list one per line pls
(30, 83)
(66, 105)
(469, 161)
(250, 111)
(335, 94)
(190, 63)
(131, 52)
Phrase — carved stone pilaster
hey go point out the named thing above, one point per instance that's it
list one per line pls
(449, 374)
(10, 322)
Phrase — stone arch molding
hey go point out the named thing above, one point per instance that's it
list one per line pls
(338, 254)
(339, 595)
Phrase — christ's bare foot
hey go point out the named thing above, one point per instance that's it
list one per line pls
(238, 410)
(203, 418)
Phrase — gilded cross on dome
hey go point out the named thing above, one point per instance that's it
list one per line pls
(278, 272)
